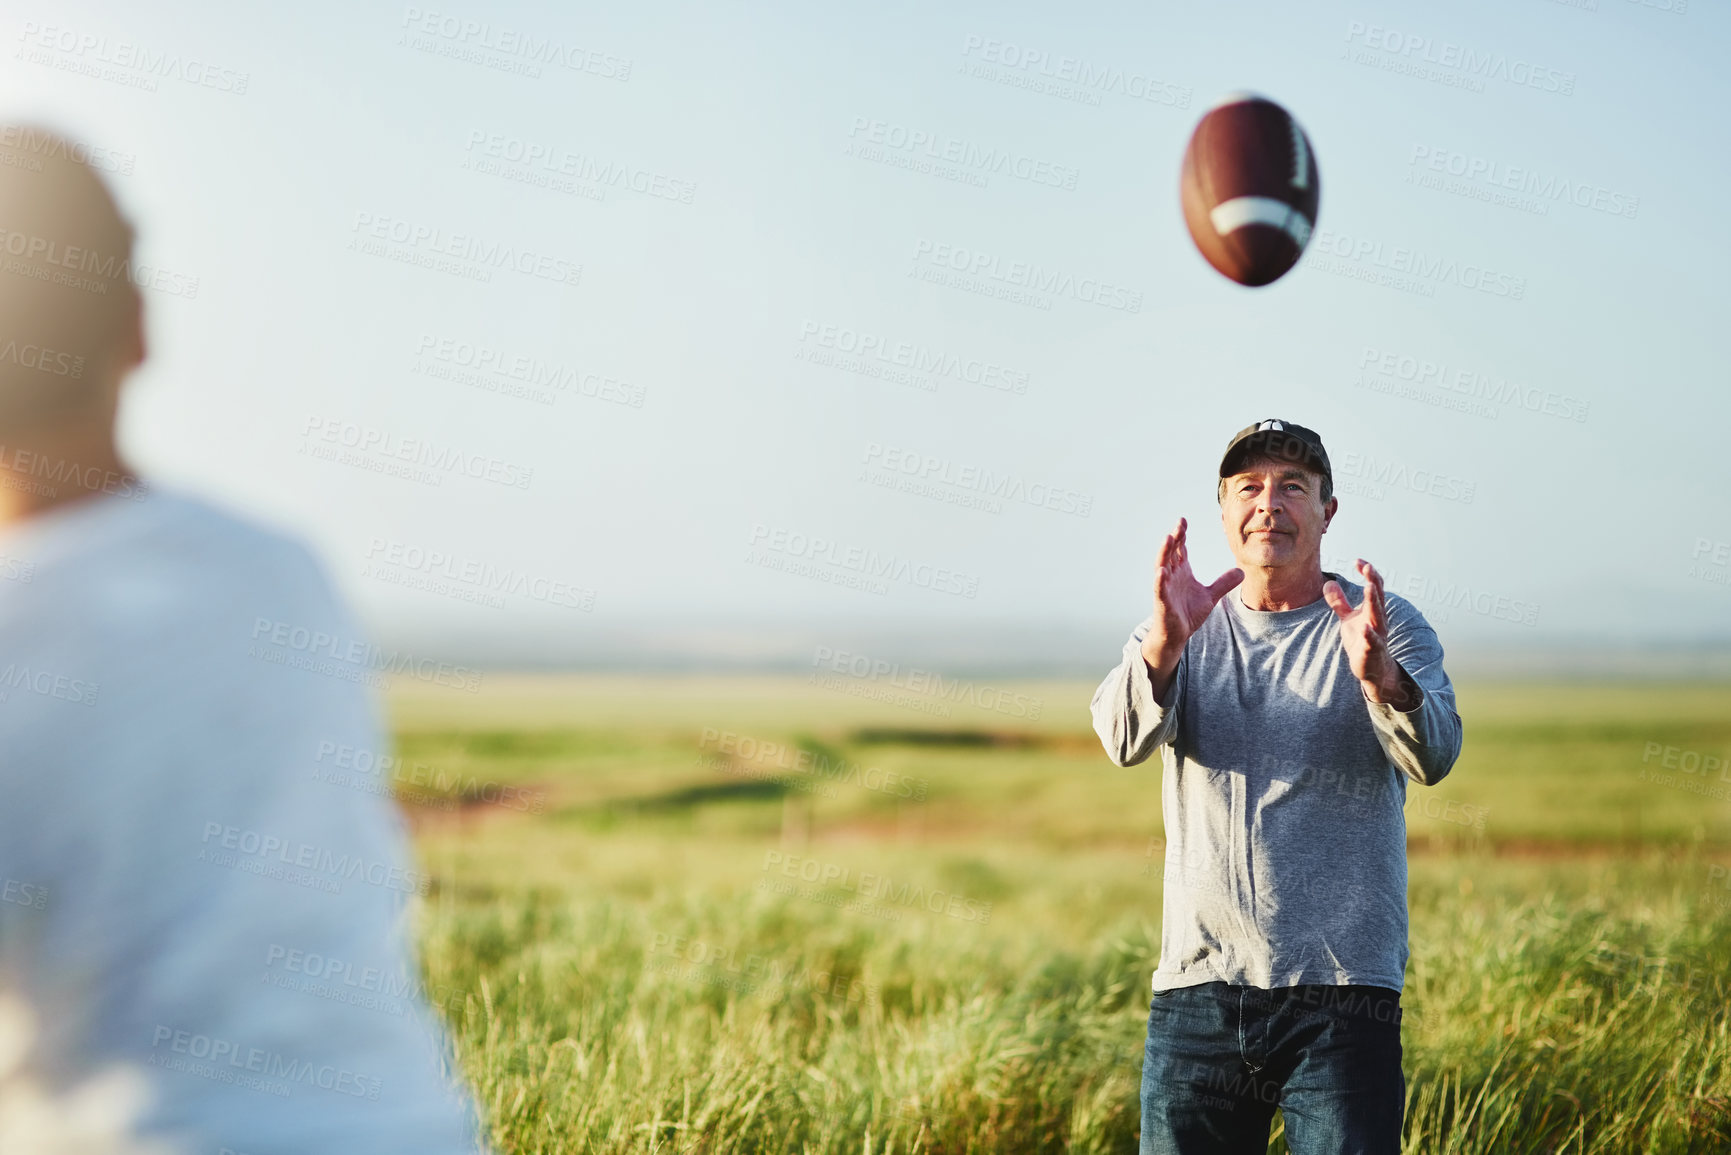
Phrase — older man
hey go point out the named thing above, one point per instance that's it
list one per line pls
(1290, 707)
(190, 902)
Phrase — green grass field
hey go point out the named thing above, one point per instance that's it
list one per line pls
(756, 914)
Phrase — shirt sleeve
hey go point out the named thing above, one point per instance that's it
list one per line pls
(1130, 722)
(1423, 742)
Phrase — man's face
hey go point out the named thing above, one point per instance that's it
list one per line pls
(1273, 515)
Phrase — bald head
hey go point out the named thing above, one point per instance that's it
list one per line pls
(69, 312)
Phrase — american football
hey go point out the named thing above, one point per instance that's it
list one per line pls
(1250, 189)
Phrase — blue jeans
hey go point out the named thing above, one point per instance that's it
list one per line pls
(1220, 1058)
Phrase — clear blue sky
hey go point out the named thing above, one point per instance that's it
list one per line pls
(755, 230)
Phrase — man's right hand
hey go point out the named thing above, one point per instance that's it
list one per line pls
(1181, 605)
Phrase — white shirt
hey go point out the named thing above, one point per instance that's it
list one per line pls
(182, 890)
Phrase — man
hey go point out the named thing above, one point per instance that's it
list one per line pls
(1290, 708)
(186, 898)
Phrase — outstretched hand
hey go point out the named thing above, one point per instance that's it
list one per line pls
(1181, 603)
(1364, 636)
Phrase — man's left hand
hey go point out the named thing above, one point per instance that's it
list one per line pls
(1364, 636)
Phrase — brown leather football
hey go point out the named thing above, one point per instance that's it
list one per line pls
(1250, 188)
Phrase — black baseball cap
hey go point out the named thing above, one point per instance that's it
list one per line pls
(1274, 438)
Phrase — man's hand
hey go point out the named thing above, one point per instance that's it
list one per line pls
(1181, 605)
(1364, 636)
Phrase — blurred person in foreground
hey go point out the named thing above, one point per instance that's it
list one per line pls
(1290, 708)
(204, 939)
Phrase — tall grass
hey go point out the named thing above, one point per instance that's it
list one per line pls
(617, 977)
(699, 1022)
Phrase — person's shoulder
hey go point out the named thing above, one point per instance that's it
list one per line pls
(1399, 607)
(212, 526)
(146, 519)
(1354, 590)
(245, 561)
(169, 557)
(1403, 615)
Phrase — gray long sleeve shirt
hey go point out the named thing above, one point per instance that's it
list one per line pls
(1283, 793)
